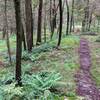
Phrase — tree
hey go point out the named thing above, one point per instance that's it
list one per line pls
(6, 31)
(61, 20)
(68, 18)
(23, 38)
(39, 22)
(29, 24)
(72, 17)
(53, 18)
(85, 22)
(45, 22)
(18, 41)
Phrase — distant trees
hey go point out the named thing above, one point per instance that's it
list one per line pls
(85, 22)
(18, 41)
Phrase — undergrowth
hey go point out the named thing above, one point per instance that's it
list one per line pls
(47, 85)
(34, 86)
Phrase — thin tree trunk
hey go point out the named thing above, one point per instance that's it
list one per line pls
(6, 32)
(39, 22)
(45, 23)
(68, 20)
(29, 24)
(72, 17)
(23, 36)
(50, 15)
(61, 21)
(98, 25)
(53, 20)
(90, 21)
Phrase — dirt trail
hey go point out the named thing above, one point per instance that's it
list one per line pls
(85, 85)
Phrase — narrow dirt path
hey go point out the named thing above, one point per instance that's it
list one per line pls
(85, 85)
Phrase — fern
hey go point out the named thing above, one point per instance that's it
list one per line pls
(41, 82)
(36, 52)
(10, 91)
(35, 85)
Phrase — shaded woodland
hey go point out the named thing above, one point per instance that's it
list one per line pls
(49, 49)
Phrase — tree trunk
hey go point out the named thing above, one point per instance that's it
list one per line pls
(50, 15)
(18, 41)
(53, 20)
(90, 21)
(60, 26)
(45, 23)
(72, 17)
(29, 24)
(68, 20)
(85, 22)
(6, 31)
(23, 38)
(39, 22)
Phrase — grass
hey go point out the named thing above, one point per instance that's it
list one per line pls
(3, 46)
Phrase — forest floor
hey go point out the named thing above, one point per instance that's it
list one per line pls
(64, 61)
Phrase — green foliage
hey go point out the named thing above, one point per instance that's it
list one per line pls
(69, 41)
(69, 65)
(3, 46)
(37, 85)
(26, 68)
(98, 39)
(36, 52)
(5, 76)
(50, 96)
(40, 82)
(8, 92)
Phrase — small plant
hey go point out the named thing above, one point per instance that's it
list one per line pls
(98, 39)
(9, 92)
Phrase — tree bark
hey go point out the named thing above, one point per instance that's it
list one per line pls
(85, 22)
(45, 22)
(39, 22)
(53, 20)
(72, 17)
(29, 24)
(18, 41)
(61, 21)
(6, 31)
(68, 20)
(23, 38)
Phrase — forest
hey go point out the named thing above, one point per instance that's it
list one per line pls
(49, 49)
